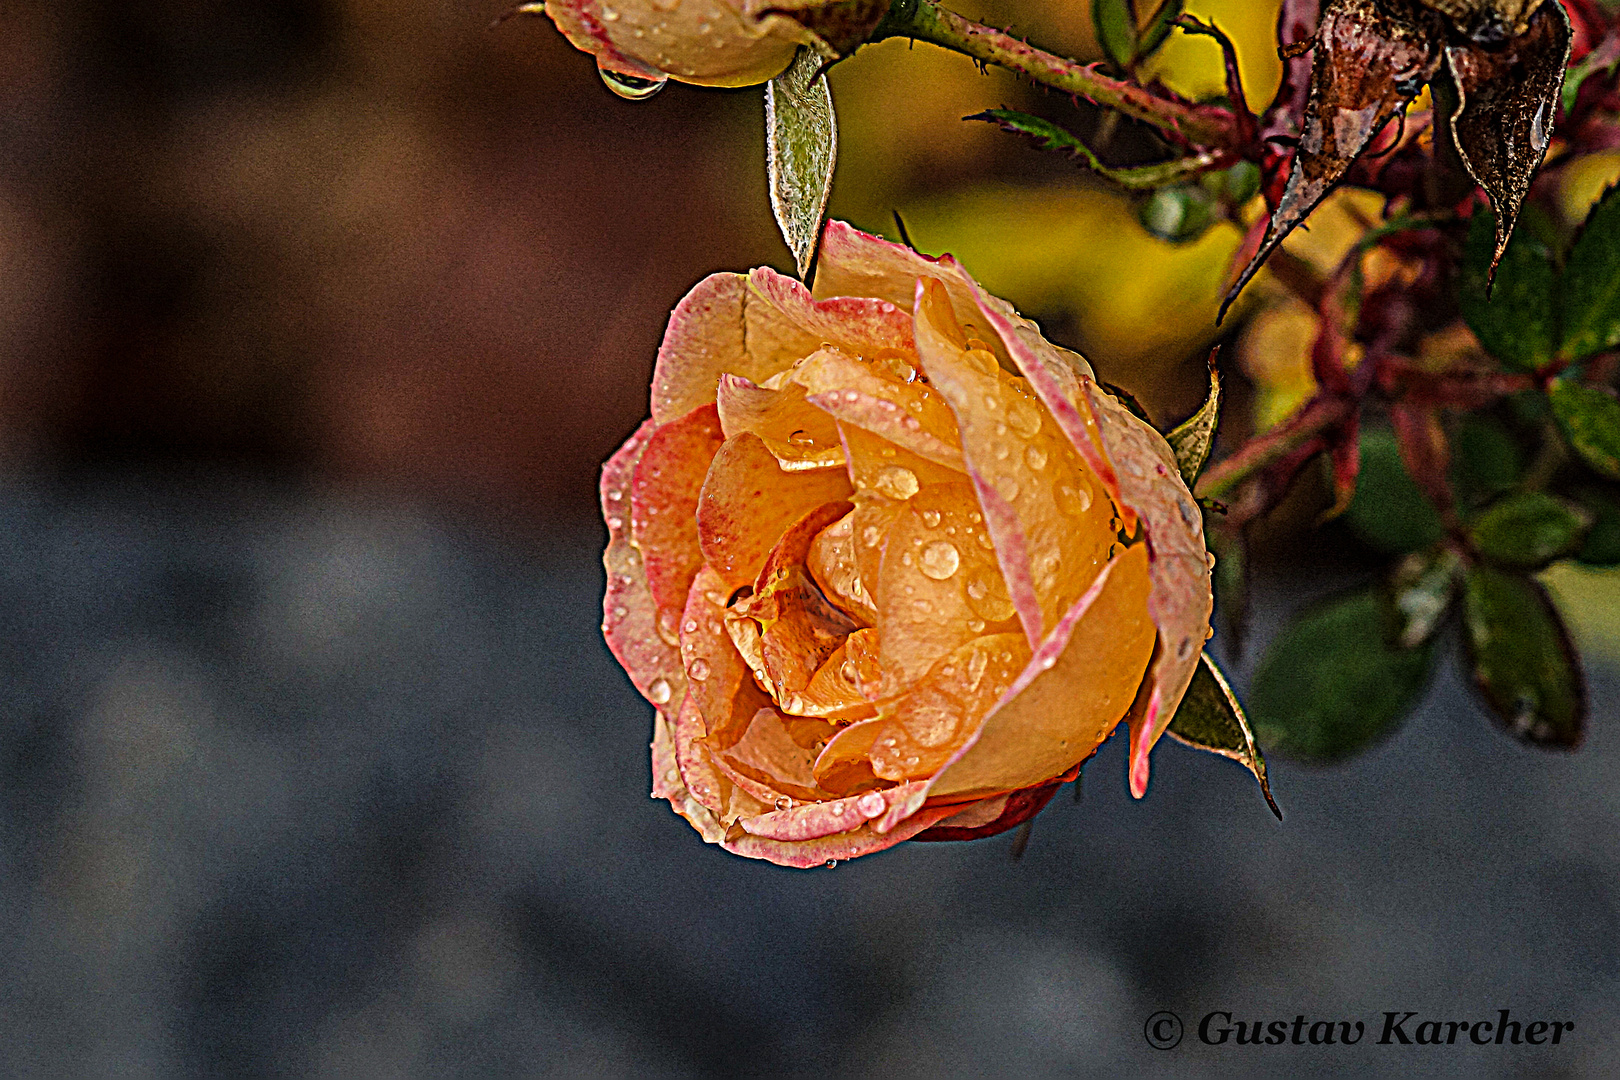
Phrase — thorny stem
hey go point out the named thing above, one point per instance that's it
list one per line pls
(1323, 412)
(924, 20)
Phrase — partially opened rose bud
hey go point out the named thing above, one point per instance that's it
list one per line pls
(639, 44)
(888, 563)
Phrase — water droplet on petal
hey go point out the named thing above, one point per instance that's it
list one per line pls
(979, 357)
(630, 86)
(1074, 501)
(831, 864)
(698, 669)
(871, 804)
(896, 482)
(801, 438)
(1024, 417)
(871, 535)
(784, 803)
(658, 692)
(940, 560)
(1035, 457)
(931, 518)
(987, 596)
(1209, 559)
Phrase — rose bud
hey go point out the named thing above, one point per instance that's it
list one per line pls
(640, 44)
(887, 563)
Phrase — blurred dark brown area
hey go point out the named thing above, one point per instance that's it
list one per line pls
(390, 243)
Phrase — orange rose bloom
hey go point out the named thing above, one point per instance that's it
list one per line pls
(887, 563)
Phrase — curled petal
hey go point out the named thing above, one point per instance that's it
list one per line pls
(1051, 523)
(667, 784)
(748, 502)
(1073, 692)
(663, 508)
(799, 435)
(629, 615)
(705, 42)
(994, 815)
(907, 414)
(723, 326)
(856, 323)
(1173, 529)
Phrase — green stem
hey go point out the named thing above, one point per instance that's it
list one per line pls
(924, 20)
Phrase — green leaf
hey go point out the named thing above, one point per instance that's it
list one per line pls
(1485, 459)
(1388, 511)
(1049, 136)
(1192, 439)
(1211, 718)
(1590, 419)
(1421, 589)
(1602, 546)
(1530, 529)
(1334, 682)
(1158, 27)
(1522, 660)
(1116, 31)
(801, 147)
(1515, 321)
(1589, 291)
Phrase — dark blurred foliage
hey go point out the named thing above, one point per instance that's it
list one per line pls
(359, 240)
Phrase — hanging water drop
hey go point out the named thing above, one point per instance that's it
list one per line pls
(632, 87)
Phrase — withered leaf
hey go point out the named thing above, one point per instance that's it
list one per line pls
(1371, 58)
(1506, 99)
(1193, 438)
(1211, 718)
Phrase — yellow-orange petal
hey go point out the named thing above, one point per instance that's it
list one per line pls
(1051, 523)
(867, 396)
(718, 681)
(799, 435)
(663, 508)
(629, 616)
(723, 326)
(879, 467)
(934, 553)
(1180, 601)
(748, 502)
(833, 564)
(668, 784)
(786, 629)
(844, 765)
(860, 324)
(769, 763)
(936, 717)
(1074, 691)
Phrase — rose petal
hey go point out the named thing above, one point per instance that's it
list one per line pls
(1015, 809)
(834, 565)
(798, 434)
(663, 514)
(867, 396)
(844, 765)
(706, 783)
(667, 784)
(717, 680)
(748, 502)
(768, 755)
(723, 326)
(1050, 521)
(629, 616)
(706, 42)
(856, 323)
(812, 821)
(827, 850)
(879, 467)
(786, 629)
(936, 584)
(933, 721)
(1181, 601)
(581, 23)
(1075, 690)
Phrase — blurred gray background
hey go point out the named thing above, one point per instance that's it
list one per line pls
(316, 318)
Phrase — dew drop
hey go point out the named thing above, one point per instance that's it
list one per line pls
(1209, 559)
(1024, 417)
(911, 423)
(896, 482)
(1074, 501)
(992, 402)
(849, 671)
(979, 357)
(801, 438)
(616, 496)
(831, 864)
(620, 612)
(658, 692)
(690, 626)
(630, 86)
(784, 803)
(615, 523)
(871, 805)
(698, 669)
(976, 625)
(931, 518)
(987, 596)
(940, 560)
(1035, 457)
